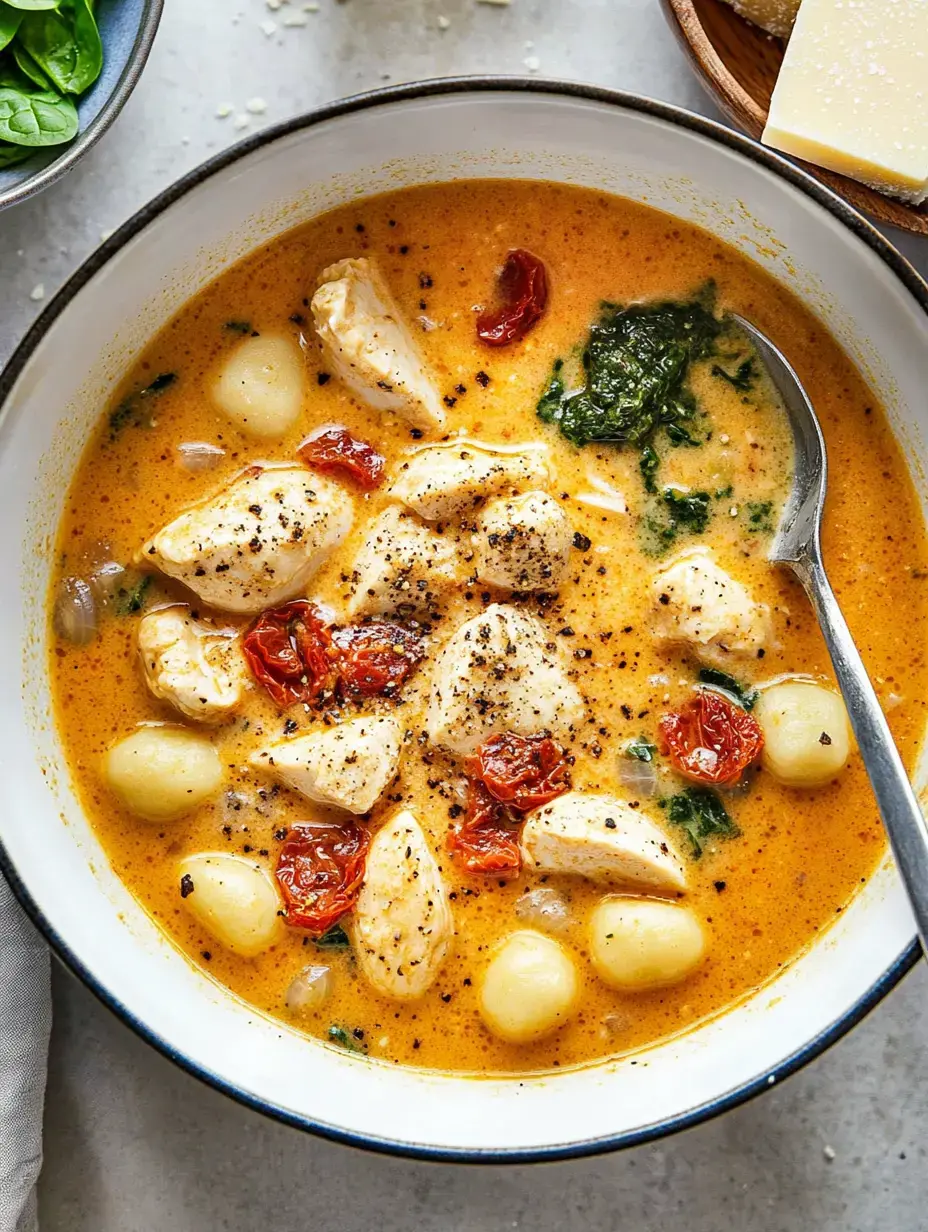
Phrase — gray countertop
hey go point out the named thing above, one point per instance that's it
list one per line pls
(133, 1144)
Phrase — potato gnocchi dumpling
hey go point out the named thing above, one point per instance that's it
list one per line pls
(638, 943)
(529, 988)
(807, 735)
(161, 773)
(261, 385)
(232, 898)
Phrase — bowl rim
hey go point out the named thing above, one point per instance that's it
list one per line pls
(128, 79)
(437, 87)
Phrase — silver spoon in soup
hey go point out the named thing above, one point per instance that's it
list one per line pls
(797, 544)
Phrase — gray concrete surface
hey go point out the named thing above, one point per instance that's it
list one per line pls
(132, 1144)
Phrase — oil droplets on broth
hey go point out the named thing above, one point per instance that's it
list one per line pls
(476, 732)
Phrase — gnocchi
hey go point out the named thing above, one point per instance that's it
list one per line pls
(260, 386)
(639, 943)
(161, 773)
(807, 735)
(235, 900)
(529, 988)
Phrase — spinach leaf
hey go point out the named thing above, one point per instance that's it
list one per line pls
(700, 813)
(688, 510)
(335, 939)
(338, 1035)
(31, 6)
(133, 411)
(33, 117)
(640, 750)
(66, 44)
(742, 378)
(759, 517)
(648, 464)
(131, 599)
(10, 155)
(721, 681)
(635, 363)
(28, 66)
(238, 327)
(9, 24)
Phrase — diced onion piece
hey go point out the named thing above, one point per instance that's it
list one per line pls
(310, 989)
(544, 907)
(75, 611)
(107, 578)
(196, 456)
(637, 777)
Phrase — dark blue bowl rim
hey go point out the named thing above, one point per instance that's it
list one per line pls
(682, 118)
(86, 140)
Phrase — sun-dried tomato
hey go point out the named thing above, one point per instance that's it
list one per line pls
(712, 740)
(524, 772)
(335, 449)
(375, 659)
(289, 651)
(485, 840)
(523, 289)
(320, 869)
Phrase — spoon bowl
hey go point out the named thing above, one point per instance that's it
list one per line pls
(797, 544)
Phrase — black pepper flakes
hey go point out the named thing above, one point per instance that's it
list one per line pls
(582, 543)
(186, 885)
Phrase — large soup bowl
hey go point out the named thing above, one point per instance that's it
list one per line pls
(57, 384)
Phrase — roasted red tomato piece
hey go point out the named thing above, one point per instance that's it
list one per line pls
(289, 651)
(335, 449)
(320, 869)
(523, 290)
(375, 659)
(524, 772)
(484, 841)
(712, 740)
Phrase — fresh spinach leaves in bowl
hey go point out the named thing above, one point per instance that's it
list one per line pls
(50, 53)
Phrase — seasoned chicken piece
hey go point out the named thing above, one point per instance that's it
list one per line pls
(601, 838)
(192, 665)
(698, 604)
(498, 673)
(402, 567)
(402, 925)
(523, 542)
(369, 347)
(258, 542)
(346, 766)
(444, 481)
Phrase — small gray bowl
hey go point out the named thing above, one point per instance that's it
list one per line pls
(127, 28)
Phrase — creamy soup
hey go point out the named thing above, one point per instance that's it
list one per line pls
(415, 651)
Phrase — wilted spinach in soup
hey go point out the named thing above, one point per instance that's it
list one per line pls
(416, 652)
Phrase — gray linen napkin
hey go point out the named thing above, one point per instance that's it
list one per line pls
(25, 1022)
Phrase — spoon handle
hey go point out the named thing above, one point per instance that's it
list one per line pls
(899, 808)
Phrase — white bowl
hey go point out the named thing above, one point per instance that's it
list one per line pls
(56, 385)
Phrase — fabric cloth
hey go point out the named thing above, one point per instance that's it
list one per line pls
(25, 1023)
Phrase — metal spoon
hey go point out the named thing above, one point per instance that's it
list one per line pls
(798, 545)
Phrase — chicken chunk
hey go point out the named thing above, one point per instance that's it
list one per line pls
(258, 542)
(498, 673)
(345, 767)
(523, 543)
(601, 838)
(197, 668)
(444, 481)
(369, 347)
(699, 605)
(403, 567)
(402, 926)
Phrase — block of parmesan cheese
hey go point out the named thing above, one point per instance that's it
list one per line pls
(774, 16)
(852, 94)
